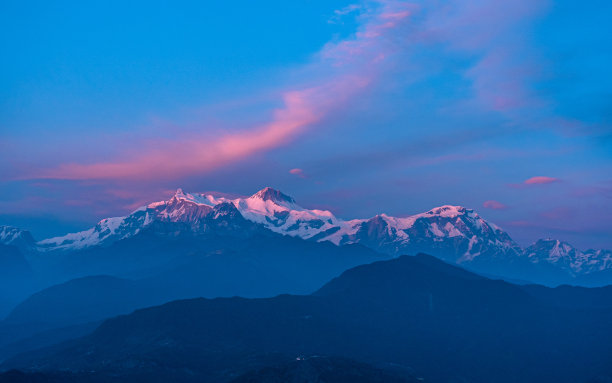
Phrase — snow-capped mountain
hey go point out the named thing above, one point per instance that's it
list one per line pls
(565, 256)
(196, 214)
(13, 236)
(453, 233)
(448, 228)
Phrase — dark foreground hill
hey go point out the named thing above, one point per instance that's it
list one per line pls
(258, 266)
(418, 313)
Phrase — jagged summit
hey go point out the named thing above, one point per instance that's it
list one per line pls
(270, 194)
(449, 211)
(10, 235)
(564, 255)
(559, 248)
(179, 194)
(550, 241)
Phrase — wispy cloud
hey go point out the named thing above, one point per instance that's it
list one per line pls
(297, 172)
(341, 70)
(169, 159)
(360, 57)
(505, 65)
(340, 13)
(540, 180)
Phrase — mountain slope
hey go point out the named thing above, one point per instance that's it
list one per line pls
(81, 300)
(417, 312)
(13, 264)
(195, 216)
(257, 266)
(458, 233)
(13, 236)
(15, 277)
(565, 256)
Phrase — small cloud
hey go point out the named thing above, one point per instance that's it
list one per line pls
(495, 205)
(540, 180)
(348, 9)
(339, 13)
(298, 172)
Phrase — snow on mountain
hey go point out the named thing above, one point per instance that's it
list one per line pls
(565, 256)
(453, 233)
(468, 232)
(10, 235)
(180, 208)
(600, 257)
(268, 207)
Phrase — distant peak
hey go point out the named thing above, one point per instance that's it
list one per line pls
(448, 211)
(12, 235)
(269, 194)
(550, 242)
(181, 195)
(6, 229)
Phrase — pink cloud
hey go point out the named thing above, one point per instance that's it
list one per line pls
(341, 70)
(495, 205)
(373, 41)
(304, 106)
(540, 180)
(198, 154)
(298, 172)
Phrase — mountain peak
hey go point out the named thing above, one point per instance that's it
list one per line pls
(269, 194)
(179, 193)
(550, 242)
(553, 245)
(10, 235)
(448, 211)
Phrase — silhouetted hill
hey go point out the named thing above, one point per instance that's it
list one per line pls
(257, 266)
(15, 277)
(77, 301)
(417, 312)
(12, 262)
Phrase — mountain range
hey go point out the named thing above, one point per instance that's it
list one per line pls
(182, 263)
(453, 233)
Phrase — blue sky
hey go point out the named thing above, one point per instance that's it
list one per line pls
(384, 106)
